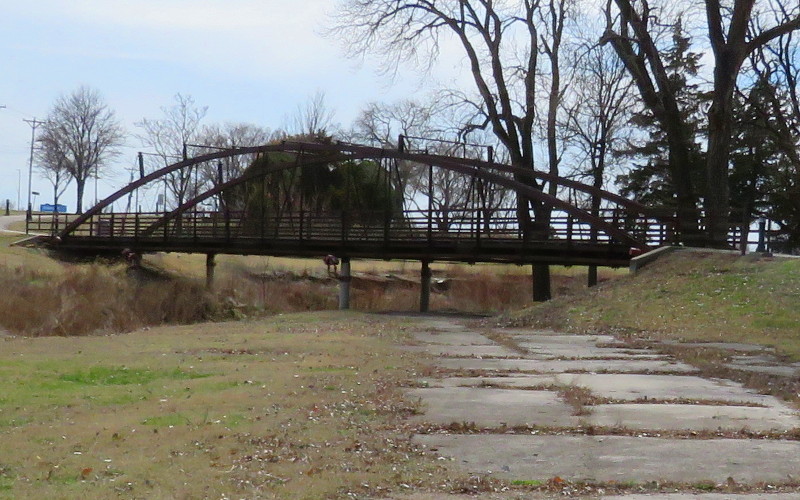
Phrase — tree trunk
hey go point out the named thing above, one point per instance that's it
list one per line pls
(540, 230)
(597, 181)
(81, 184)
(680, 168)
(717, 196)
(532, 229)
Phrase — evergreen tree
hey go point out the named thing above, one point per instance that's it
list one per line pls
(649, 181)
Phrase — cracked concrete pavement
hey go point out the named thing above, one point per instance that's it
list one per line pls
(536, 405)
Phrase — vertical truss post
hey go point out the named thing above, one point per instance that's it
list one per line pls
(220, 181)
(136, 227)
(263, 199)
(430, 205)
(389, 206)
(227, 224)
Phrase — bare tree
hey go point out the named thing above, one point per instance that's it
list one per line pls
(169, 137)
(554, 16)
(79, 138)
(775, 101)
(502, 43)
(630, 30)
(382, 124)
(53, 165)
(231, 136)
(314, 119)
(602, 100)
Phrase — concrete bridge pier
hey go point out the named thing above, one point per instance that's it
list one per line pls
(211, 264)
(425, 287)
(344, 284)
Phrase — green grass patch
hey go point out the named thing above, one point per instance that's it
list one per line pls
(138, 411)
(689, 296)
(528, 482)
(7, 479)
(172, 420)
(105, 375)
(14, 422)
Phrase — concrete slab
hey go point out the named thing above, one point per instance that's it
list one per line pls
(517, 381)
(561, 339)
(775, 370)
(664, 387)
(558, 366)
(616, 458)
(535, 495)
(440, 324)
(549, 351)
(452, 338)
(492, 407)
(628, 387)
(693, 417)
(544, 334)
(706, 496)
(465, 351)
(725, 346)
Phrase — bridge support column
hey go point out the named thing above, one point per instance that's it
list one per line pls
(210, 265)
(592, 281)
(425, 287)
(344, 284)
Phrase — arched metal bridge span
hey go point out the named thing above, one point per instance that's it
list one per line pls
(387, 204)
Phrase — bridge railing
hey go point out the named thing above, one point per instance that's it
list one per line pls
(414, 225)
(453, 225)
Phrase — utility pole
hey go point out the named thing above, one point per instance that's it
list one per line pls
(34, 125)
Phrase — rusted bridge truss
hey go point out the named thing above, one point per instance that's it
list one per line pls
(423, 206)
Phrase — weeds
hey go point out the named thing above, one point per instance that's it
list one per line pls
(88, 299)
(579, 398)
(102, 298)
(300, 406)
(594, 430)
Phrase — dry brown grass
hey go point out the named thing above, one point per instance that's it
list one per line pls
(82, 300)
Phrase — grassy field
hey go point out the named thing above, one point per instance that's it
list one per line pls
(301, 406)
(690, 296)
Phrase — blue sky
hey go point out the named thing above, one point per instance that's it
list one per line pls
(247, 60)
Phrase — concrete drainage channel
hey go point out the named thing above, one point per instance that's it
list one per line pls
(530, 407)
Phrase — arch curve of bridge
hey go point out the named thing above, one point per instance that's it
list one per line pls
(487, 171)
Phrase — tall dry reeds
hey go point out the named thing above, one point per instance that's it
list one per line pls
(101, 298)
(96, 299)
(483, 291)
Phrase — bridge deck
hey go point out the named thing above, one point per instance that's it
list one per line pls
(495, 250)
(299, 235)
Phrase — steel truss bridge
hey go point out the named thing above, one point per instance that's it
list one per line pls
(263, 211)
